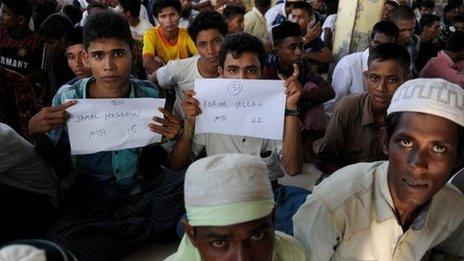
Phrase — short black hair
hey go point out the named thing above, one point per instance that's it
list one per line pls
(262, 3)
(159, 5)
(427, 4)
(428, 20)
(73, 36)
(402, 13)
(20, 7)
(387, 28)
(449, 8)
(392, 3)
(304, 6)
(55, 27)
(392, 121)
(231, 11)
(73, 13)
(239, 43)
(98, 5)
(455, 42)
(207, 20)
(133, 6)
(106, 24)
(385, 52)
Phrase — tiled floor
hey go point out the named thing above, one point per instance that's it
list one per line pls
(155, 252)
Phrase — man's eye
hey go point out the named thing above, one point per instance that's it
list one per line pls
(252, 71)
(405, 143)
(97, 55)
(374, 78)
(439, 148)
(392, 80)
(219, 243)
(233, 70)
(118, 53)
(202, 45)
(257, 236)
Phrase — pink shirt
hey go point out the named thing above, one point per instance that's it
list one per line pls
(443, 67)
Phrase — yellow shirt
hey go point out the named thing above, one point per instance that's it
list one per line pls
(156, 44)
(350, 216)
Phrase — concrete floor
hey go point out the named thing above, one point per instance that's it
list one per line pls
(155, 252)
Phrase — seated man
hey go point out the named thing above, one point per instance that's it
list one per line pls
(234, 16)
(114, 206)
(443, 65)
(352, 133)
(242, 57)
(28, 187)
(347, 77)
(75, 54)
(130, 9)
(230, 203)
(402, 208)
(207, 31)
(166, 41)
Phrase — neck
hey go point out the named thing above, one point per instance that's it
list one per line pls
(405, 213)
(19, 32)
(133, 21)
(284, 68)
(261, 10)
(97, 90)
(171, 35)
(206, 70)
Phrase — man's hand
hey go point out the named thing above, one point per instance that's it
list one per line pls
(292, 88)
(170, 124)
(190, 107)
(49, 118)
(312, 32)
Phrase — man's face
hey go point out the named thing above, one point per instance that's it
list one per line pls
(168, 19)
(186, 4)
(246, 66)
(289, 6)
(7, 18)
(386, 11)
(432, 31)
(422, 151)
(110, 61)
(208, 43)
(316, 4)
(76, 62)
(300, 17)
(290, 50)
(383, 79)
(252, 240)
(449, 16)
(459, 26)
(425, 11)
(380, 38)
(236, 24)
(406, 28)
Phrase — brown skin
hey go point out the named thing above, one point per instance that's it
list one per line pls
(379, 39)
(425, 11)
(459, 26)
(422, 151)
(386, 12)
(208, 43)
(430, 33)
(168, 20)
(449, 16)
(110, 61)
(236, 24)
(406, 28)
(246, 66)
(252, 240)
(75, 55)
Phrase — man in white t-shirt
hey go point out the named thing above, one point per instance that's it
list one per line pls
(347, 77)
(207, 31)
(130, 9)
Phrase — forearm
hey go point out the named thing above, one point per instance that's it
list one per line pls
(292, 158)
(150, 64)
(318, 95)
(322, 57)
(181, 155)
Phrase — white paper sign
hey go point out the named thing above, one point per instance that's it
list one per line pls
(112, 124)
(252, 108)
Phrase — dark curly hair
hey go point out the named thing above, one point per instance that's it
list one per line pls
(106, 25)
(239, 43)
(205, 21)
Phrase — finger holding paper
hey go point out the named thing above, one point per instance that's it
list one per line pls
(190, 106)
(292, 88)
(49, 118)
(170, 125)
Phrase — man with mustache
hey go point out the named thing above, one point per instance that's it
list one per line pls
(352, 132)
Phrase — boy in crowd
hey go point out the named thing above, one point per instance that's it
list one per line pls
(279, 13)
(234, 16)
(138, 25)
(230, 203)
(430, 26)
(255, 22)
(20, 48)
(207, 31)
(404, 18)
(352, 133)
(315, 49)
(444, 64)
(112, 210)
(387, 8)
(426, 7)
(166, 41)
(187, 13)
(347, 77)
(402, 208)
(75, 54)
(53, 30)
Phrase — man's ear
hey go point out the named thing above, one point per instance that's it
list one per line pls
(189, 231)
(86, 57)
(22, 20)
(384, 140)
(220, 71)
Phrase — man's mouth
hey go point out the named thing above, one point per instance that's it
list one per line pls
(415, 185)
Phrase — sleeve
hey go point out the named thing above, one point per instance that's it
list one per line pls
(192, 49)
(198, 144)
(314, 228)
(341, 81)
(149, 39)
(453, 245)
(250, 23)
(166, 75)
(333, 140)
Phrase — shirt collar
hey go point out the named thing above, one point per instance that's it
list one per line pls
(367, 117)
(257, 12)
(86, 83)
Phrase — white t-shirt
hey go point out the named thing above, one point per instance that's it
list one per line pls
(347, 77)
(179, 75)
(329, 22)
(138, 30)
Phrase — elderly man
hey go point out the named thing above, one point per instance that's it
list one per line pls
(229, 203)
(402, 208)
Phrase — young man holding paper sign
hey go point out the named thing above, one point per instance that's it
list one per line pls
(242, 57)
(114, 212)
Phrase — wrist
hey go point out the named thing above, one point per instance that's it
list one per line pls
(292, 112)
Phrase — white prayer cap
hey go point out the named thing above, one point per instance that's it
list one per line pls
(432, 96)
(227, 189)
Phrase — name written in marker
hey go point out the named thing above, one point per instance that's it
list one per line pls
(249, 104)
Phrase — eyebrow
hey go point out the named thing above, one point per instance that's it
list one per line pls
(110, 51)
